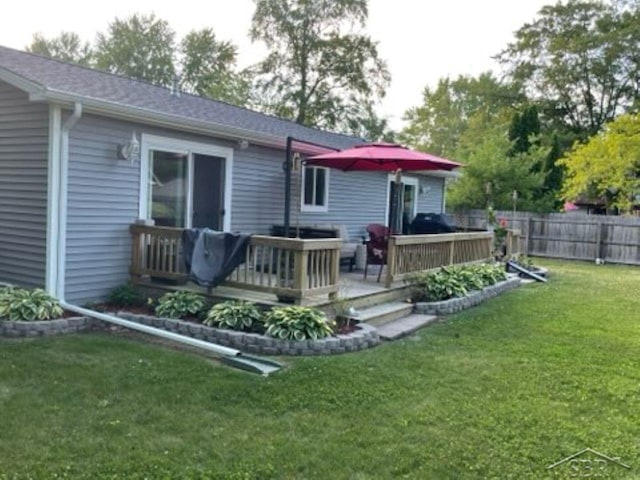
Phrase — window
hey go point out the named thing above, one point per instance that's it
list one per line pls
(168, 188)
(315, 191)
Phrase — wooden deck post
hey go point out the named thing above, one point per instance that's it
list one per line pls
(391, 261)
(335, 273)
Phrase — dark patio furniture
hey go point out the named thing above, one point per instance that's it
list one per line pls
(377, 247)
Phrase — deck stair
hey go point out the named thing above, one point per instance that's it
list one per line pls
(394, 319)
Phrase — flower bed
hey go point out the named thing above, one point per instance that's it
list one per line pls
(362, 338)
(473, 298)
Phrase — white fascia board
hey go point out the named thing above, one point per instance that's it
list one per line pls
(149, 117)
(20, 82)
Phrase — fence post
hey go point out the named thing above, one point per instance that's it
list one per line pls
(391, 261)
(529, 229)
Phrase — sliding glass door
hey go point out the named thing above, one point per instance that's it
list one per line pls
(168, 188)
(185, 185)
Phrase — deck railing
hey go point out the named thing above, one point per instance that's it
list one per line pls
(288, 267)
(414, 253)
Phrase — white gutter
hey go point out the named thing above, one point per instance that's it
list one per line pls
(62, 202)
(160, 119)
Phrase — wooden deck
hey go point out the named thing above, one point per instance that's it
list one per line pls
(305, 270)
(352, 288)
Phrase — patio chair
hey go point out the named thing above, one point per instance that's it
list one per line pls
(377, 247)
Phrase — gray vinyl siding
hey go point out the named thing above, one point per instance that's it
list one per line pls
(103, 200)
(431, 199)
(24, 138)
(355, 198)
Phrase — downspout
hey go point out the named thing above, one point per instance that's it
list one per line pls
(229, 355)
(62, 203)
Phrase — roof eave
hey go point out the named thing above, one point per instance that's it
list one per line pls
(150, 117)
(20, 82)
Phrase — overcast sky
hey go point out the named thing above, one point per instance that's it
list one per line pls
(421, 40)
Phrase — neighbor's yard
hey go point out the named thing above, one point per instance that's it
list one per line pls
(501, 391)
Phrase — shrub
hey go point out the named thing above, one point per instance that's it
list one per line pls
(451, 282)
(297, 323)
(489, 274)
(235, 315)
(181, 304)
(17, 304)
(126, 295)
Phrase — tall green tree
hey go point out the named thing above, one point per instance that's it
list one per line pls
(524, 129)
(67, 46)
(208, 67)
(579, 61)
(607, 166)
(321, 68)
(141, 46)
(490, 174)
(438, 124)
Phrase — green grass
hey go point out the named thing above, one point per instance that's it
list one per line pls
(500, 391)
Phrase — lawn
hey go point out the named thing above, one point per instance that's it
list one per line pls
(500, 391)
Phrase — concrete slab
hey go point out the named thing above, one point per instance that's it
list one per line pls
(404, 326)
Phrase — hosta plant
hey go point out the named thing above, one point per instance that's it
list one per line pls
(181, 304)
(451, 282)
(297, 323)
(17, 304)
(234, 315)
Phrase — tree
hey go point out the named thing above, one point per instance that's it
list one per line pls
(578, 60)
(607, 166)
(490, 175)
(66, 47)
(524, 129)
(208, 68)
(141, 46)
(319, 72)
(438, 124)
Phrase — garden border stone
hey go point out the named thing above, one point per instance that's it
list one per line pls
(44, 328)
(475, 297)
(364, 337)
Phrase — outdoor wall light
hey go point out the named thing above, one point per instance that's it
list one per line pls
(130, 151)
(243, 144)
(424, 189)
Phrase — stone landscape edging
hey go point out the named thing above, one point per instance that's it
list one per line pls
(365, 336)
(454, 305)
(44, 328)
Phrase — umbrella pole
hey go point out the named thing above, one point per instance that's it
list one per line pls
(396, 215)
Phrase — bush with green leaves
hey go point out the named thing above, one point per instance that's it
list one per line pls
(454, 281)
(126, 295)
(181, 304)
(297, 323)
(235, 315)
(18, 304)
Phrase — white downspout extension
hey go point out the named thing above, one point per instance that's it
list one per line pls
(61, 254)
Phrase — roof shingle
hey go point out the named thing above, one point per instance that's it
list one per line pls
(83, 82)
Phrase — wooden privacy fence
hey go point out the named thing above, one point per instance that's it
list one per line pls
(289, 267)
(575, 235)
(414, 253)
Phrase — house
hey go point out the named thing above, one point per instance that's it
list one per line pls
(68, 197)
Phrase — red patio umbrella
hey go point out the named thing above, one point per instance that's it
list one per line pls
(386, 157)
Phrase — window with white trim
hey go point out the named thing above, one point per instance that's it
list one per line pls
(315, 189)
